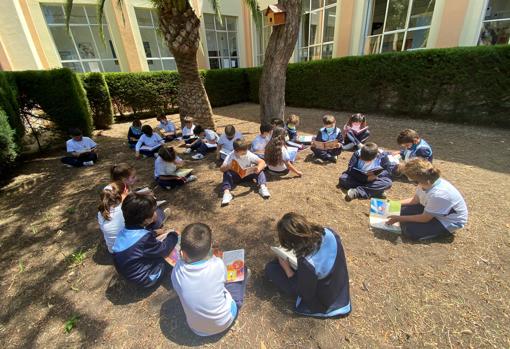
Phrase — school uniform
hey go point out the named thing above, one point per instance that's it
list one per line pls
(420, 150)
(291, 132)
(281, 169)
(210, 137)
(321, 281)
(324, 136)
(153, 141)
(356, 138)
(350, 180)
(259, 145)
(210, 305)
(134, 135)
(231, 178)
(111, 227)
(165, 168)
(83, 147)
(139, 256)
(445, 203)
(168, 127)
(227, 145)
(188, 135)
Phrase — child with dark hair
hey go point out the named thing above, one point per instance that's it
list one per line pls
(206, 142)
(165, 169)
(149, 142)
(81, 150)
(226, 141)
(366, 175)
(413, 146)
(277, 155)
(259, 143)
(355, 132)
(199, 278)
(328, 133)
(320, 283)
(241, 158)
(109, 215)
(291, 124)
(138, 254)
(277, 122)
(166, 128)
(134, 133)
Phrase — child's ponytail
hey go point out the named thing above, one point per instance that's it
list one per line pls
(111, 197)
(121, 172)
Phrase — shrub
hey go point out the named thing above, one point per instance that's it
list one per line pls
(99, 99)
(226, 86)
(8, 148)
(9, 104)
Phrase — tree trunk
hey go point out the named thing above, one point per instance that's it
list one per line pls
(278, 53)
(180, 28)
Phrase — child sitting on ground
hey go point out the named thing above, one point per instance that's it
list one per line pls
(277, 122)
(206, 142)
(259, 143)
(291, 124)
(277, 155)
(355, 132)
(321, 281)
(413, 146)
(81, 150)
(134, 133)
(166, 128)
(366, 176)
(187, 130)
(326, 134)
(166, 169)
(149, 142)
(210, 305)
(239, 160)
(109, 215)
(138, 254)
(226, 141)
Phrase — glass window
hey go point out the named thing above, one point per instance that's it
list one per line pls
(157, 53)
(81, 49)
(261, 35)
(496, 24)
(396, 25)
(221, 40)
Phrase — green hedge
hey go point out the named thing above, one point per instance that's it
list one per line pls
(99, 99)
(9, 104)
(226, 86)
(59, 93)
(8, 148)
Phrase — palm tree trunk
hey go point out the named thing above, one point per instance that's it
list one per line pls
(278, 53)
(180, 28)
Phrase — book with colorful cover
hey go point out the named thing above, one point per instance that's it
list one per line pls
(334, 144)
(183, 172)
(286, 255)
(304, 139)
(242, 172)
(380, 210)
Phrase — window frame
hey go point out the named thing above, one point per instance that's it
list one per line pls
(228, 34)
(483, 21)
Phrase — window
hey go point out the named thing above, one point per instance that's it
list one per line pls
(221, 41)
(398, 25)
(496, 23)
(261, 39)
(156, 51)
(82, 49)
(317, 30)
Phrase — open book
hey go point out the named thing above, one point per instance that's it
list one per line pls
(286, 255)
(357, 129)
(146, 147)
(84, 150)
(305, 139)
(334, 144)
(183, 172)
(224, 153)
(362, 176)
(242, 172)
(380, 210)
(211, 145)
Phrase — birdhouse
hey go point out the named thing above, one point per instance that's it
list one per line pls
(275, 15)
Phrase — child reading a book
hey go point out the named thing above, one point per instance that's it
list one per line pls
(242, 166)
(226, 141)
(138, 255)
(81, 150)
(355, 132)
(436, 210)
(210, 304)
(149, 142)
(413, 146)
(366, 176)
(109, 215)
(134, 133)
(277, 155)
(187, 130)
(277, 122)
(329, 133)
(291, 124)
(206, 142)
(320, 283)
(259, 143)
(166, 128)
(167, 169)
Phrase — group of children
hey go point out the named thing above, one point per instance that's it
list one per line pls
(132, 222)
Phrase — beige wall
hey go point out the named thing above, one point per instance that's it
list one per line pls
(447, 30)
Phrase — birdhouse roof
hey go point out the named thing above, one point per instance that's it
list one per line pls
(275, 9)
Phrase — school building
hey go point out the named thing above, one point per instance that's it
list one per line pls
(33, 33)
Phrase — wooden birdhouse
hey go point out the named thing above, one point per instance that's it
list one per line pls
(275, 15)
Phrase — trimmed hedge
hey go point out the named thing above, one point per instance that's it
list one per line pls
(226, 86)
(9, 104)
(99, 99)
(8, 148)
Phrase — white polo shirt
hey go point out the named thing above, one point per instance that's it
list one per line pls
(80, 146)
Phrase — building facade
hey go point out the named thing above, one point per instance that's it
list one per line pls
(33, 34)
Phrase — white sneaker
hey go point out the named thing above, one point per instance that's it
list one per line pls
(187, 151)
(88, 163)
(68, 166)
(264, 192)
(227, 197)
(197, 156)
(191, 178)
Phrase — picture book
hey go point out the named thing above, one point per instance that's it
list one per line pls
(362, 176)
(146, 147)
(380, 210)
(326, 145)
(224, 153)
(242, 172)
(175, 255)
(83, 151)
(305, 139)
(234, 261)
(292, 153)
(394, 159)
(286, 255)
(183, 172)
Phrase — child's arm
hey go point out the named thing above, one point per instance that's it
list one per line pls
(193, 143)
(159, 249)
(292, 168)
(352, 162)
(218, 154)
(225, 166)
(415, 200)
(261, 165)
(138, 146)
(418, 218)
(306, 281)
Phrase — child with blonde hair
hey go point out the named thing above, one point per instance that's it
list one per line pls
(291, 124)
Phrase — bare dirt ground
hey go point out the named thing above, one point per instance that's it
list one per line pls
(434, 295)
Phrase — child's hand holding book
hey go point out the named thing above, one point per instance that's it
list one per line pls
(284, 263)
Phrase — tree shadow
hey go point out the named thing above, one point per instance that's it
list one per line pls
(397, 238)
